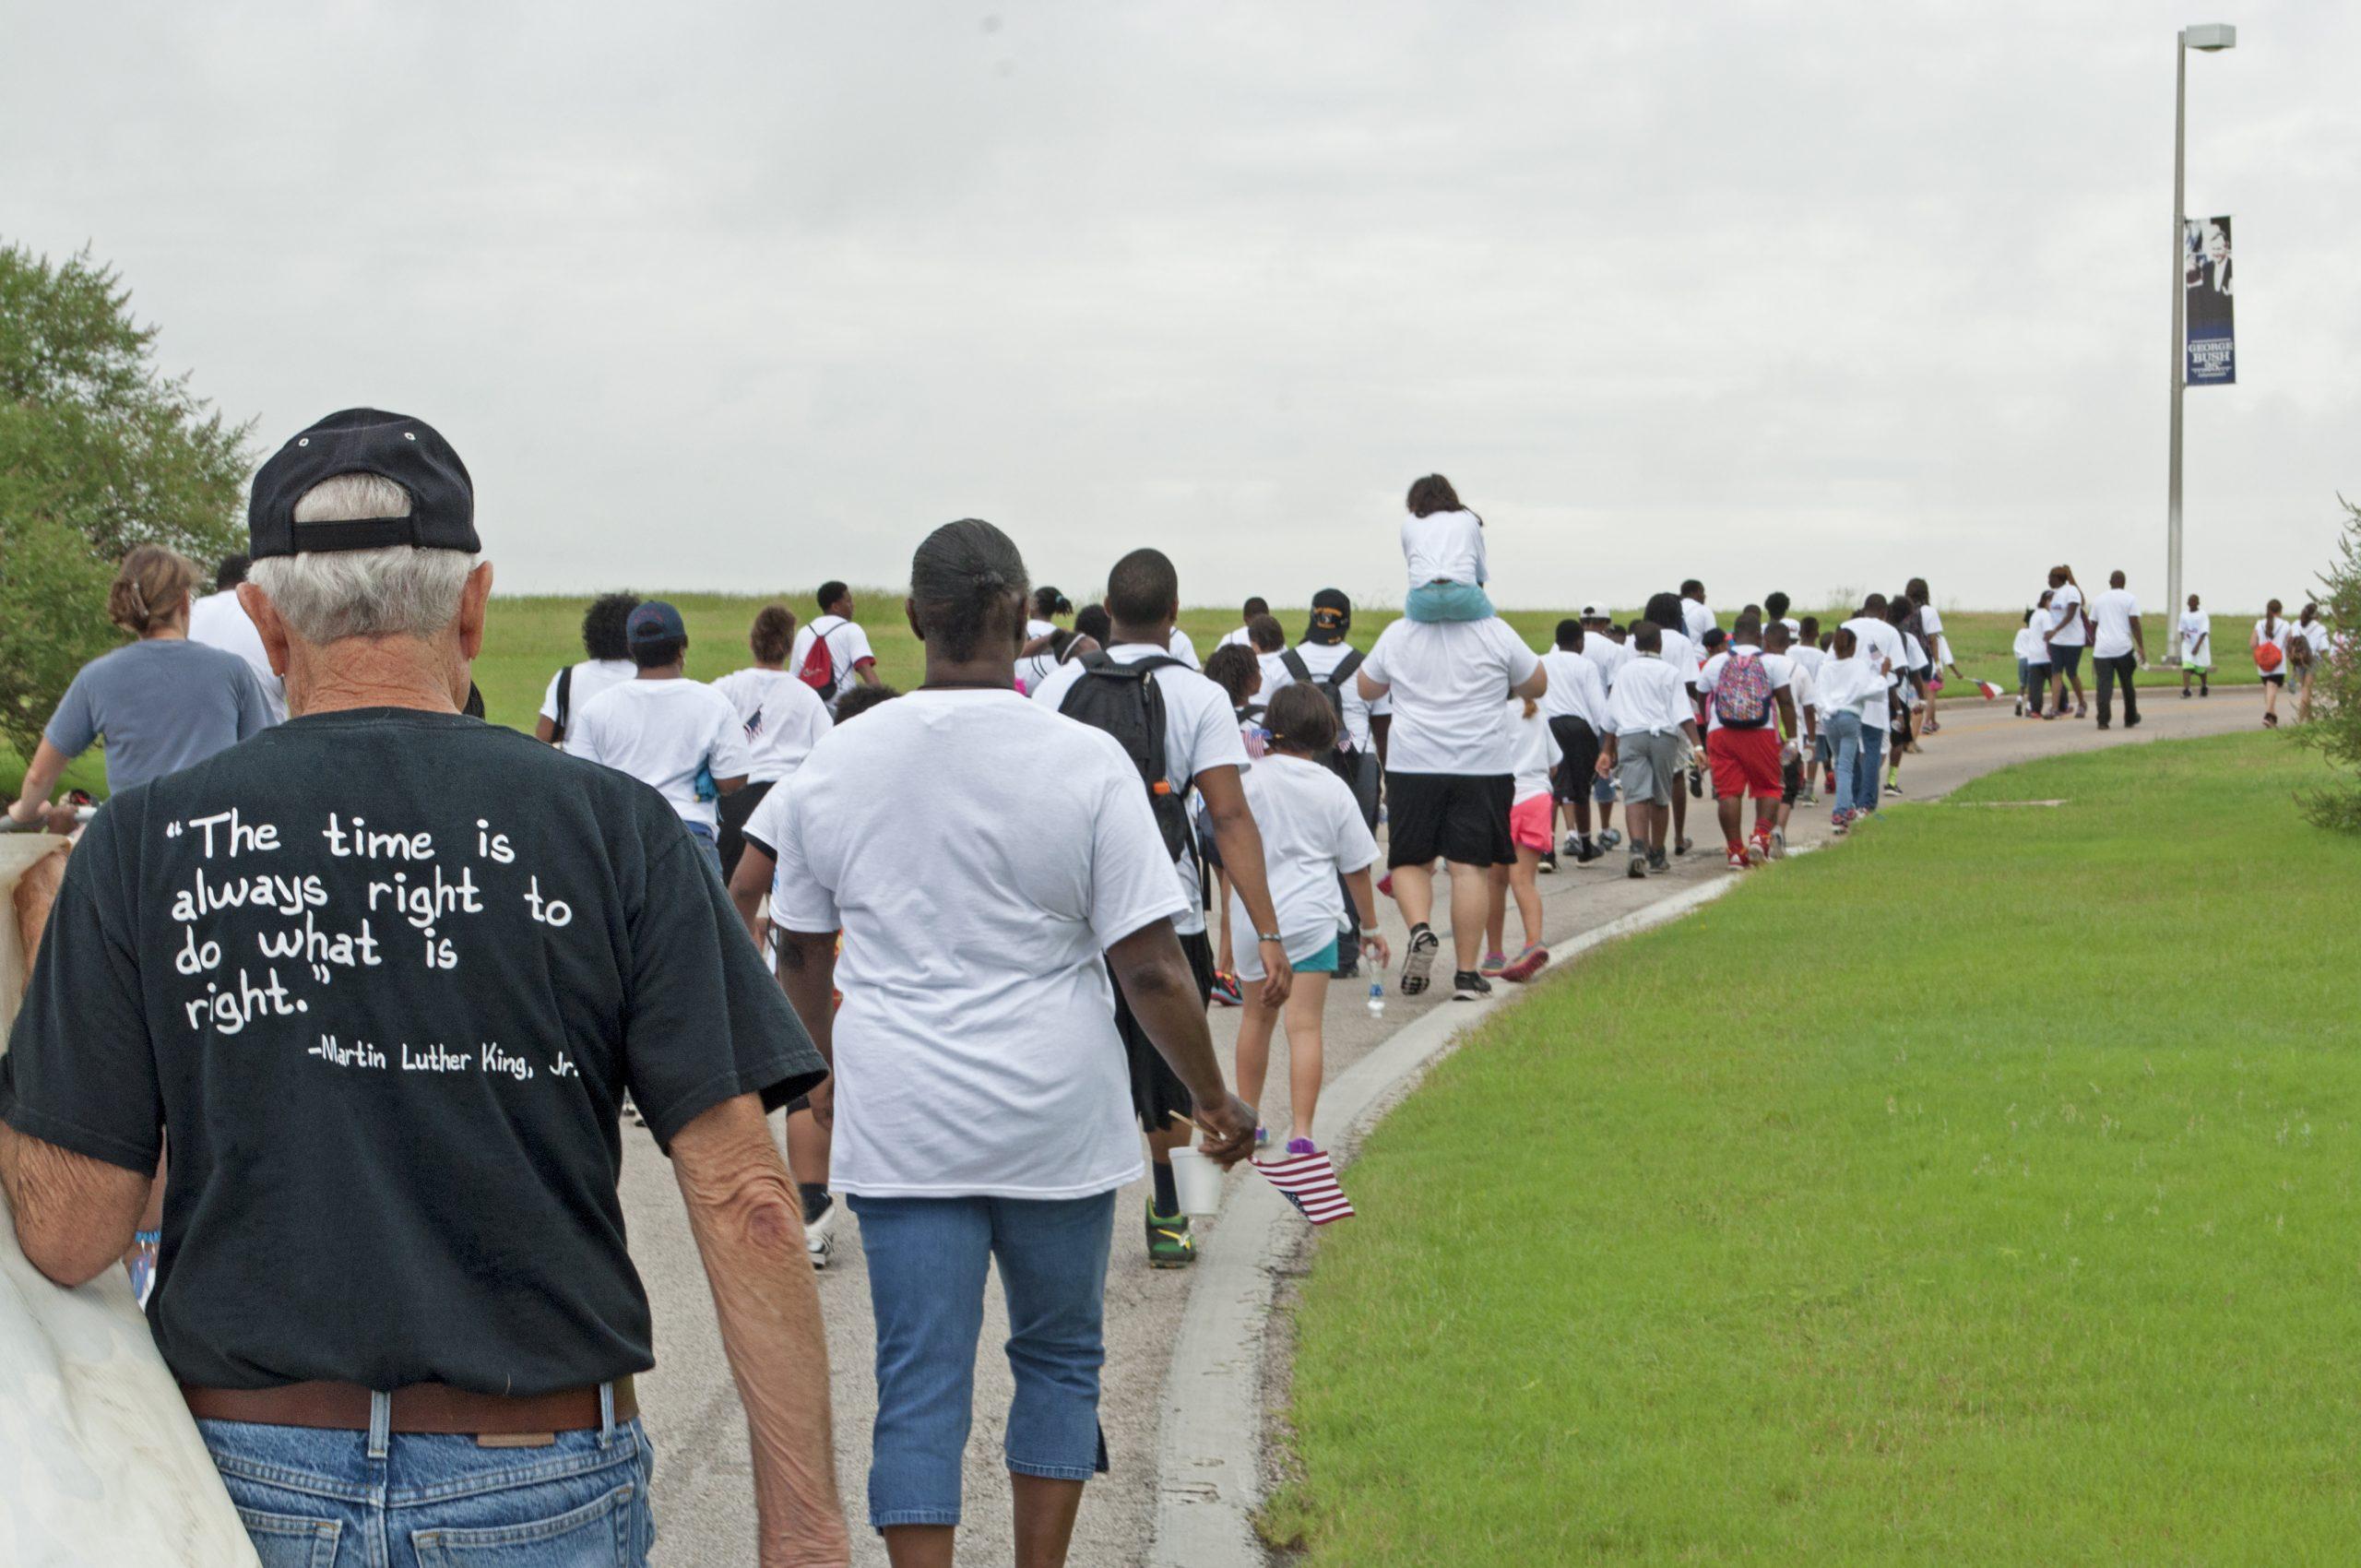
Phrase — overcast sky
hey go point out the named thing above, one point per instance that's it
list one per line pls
(746, 296)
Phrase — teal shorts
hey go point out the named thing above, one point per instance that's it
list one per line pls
(1429, 603)
(1320, 963)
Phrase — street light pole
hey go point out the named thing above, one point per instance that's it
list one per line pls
(2211, 37)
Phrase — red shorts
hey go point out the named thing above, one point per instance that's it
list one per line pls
(1744, 762)
(1530, 821)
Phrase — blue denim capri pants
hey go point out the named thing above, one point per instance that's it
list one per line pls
(927, 1260)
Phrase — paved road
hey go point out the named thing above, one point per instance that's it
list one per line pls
(704, 1498)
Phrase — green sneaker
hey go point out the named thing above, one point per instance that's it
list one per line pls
(1168, 1243)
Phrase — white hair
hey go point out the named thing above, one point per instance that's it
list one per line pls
(325, 595)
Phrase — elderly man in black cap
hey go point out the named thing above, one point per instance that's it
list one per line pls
(383, 976)
(1326, 660)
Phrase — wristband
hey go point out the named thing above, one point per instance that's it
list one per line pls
(1268, 936)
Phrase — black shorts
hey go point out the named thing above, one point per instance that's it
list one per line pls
(1450, 816)
(2278, 679)
(1156, 1089)
(735, 809)
(1579, 771)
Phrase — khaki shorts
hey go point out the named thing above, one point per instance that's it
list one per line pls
(1649, 767)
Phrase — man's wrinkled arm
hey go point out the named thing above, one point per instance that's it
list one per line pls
(75, 1215)
(748, 1221)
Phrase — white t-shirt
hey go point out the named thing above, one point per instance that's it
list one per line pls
(767, 821)
(1682, 653)
(783, 718)
(1236, 636)
(1035, 628)
(2196, 629)
(1444, 547)
(848, 647)
(1606, 654)
(1200, 732)
(1931, 619)
(1311, 831)
(661, 732)
(1534, 751)
(2028, 646)
(1695, 619)
(1322, 658)
(220, 621)
(1575, 689)
(981, 854)
(1801, 687)
(2274, 632)
(1447, 680)
(590, 677)
(1777, 667)
(1651, 697)
(1180, 647)
(1274, 676)
(1879, 640)
(1807, 658)
(1844, 683)
(2066, 616)
(2113, 611)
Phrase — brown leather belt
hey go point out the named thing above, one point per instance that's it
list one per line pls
(420, 1407)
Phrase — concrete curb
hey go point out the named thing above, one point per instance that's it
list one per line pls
(1209, 1452)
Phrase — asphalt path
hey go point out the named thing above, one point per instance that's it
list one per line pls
(703, 1496)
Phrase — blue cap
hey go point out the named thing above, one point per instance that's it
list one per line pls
(654, 622)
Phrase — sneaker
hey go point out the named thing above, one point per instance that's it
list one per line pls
(2186, 693)
(1840, 825)
(631, 1109)
(1299, 1147)
(1262, 1137)
(819, 1235)
(1639, 871)
(1418, 962)
(1758, 852)
(1549, 864)
(1587, 853)
(1607, 838)
(1574, 846)
(1528, 964)
(1682, 847)
(1469, 986)
(1737, 860)
(2082, 709)
(1226, 990)
(1891, 788)
(1657, 863)
(1169, 1245)
(1778, 843)
(2018, 712)
(1493, 964)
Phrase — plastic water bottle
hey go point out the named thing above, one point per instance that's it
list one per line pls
(1377, 999)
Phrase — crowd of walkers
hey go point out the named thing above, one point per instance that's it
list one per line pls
(963, 939)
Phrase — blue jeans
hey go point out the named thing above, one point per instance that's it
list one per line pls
(707, 842)
(1865, 773)
(927, 1259)
(1447, 601)
(317, 1499)
(1842, 736)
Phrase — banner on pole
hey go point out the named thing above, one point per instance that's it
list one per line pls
(2205, 277)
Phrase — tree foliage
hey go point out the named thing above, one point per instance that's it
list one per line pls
(99, 451)
(2336, 728)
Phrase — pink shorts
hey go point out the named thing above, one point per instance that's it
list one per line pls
(1530, 823)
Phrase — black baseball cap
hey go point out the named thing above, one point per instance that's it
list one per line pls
(1332, 616)
(654, 622)
(406, 451)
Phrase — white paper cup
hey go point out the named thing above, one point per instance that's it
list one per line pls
(1198, 1181)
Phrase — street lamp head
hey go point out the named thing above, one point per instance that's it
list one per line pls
(2209, 36)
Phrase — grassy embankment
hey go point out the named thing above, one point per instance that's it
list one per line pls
(1984, 1191)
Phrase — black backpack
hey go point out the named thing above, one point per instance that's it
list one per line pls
(565, 703)
(1331, 686)
(1124, 701)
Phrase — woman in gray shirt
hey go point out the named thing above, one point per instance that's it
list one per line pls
(164, 703)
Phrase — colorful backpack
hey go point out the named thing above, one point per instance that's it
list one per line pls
(1742, 693)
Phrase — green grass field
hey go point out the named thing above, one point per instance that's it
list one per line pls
(530, 637)
(1986, 1190)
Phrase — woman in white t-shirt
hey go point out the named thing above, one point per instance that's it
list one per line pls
(990, 863)
(2067, 634)
(1443, 546)
(2273, 631)
(1312, 834)
(2307, 646)
(1535, 756)
(609, 664)
(1048, 604)
(783, 717)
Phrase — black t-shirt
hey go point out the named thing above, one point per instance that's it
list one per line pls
(385, 977)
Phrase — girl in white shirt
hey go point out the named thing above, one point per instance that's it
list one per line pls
(2271, 631)
(1312, 834)
(1535, 756)
(1442, 545)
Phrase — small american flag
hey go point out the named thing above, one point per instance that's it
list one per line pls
(1308, 1182)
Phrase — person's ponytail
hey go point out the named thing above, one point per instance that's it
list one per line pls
(152, 586)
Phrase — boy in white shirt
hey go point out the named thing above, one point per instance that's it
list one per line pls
(1442, 545)
(1574, 707)
(1749, 701)
(2118, 650)
(678, 736)
(1242, 633)
(2196, 648)
(1652, 728)
(833, 651)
